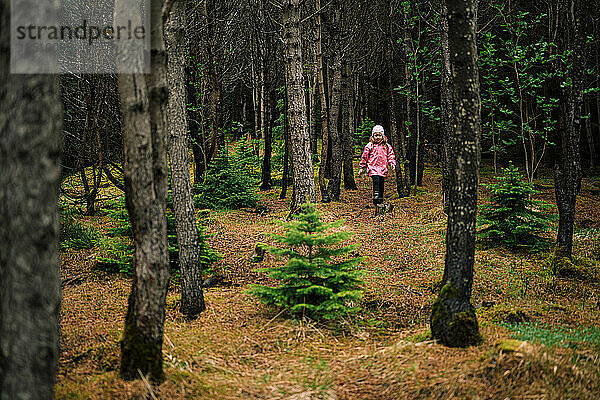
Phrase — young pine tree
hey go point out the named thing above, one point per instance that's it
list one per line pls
(513, 217)
(229, 183)
(317, 281)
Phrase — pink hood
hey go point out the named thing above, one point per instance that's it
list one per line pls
(376, 157)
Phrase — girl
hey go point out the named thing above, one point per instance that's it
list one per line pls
(375, 158)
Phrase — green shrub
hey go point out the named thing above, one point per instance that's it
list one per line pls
(363, 134)
(73, 234)
(316, 280)
(513, 217)
(118, 257)
(245, 159)
(118, 253)
(77, 236)
(229, 184)
(208, 256)
(117, 210)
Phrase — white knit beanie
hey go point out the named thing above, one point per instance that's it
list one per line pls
(377, 128)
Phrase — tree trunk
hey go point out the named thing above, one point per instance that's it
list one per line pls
(30, 149)
(214, 97)
(194, 117)
(445, 105)
(347, 140)
(590, 137)
(286, 150)
(312, 101)
(417, 138)
(333, 185)
(145, 169)
(409, 126)
(351, 106)
(393, 134)
(567, 172)
(324, 108)
(266, 164)
(304, 183)
(192, 298)
(453, 320)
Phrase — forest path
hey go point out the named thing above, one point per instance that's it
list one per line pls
(239, 349)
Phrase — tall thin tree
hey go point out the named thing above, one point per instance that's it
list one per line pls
(302, 170)
(335, 136)
(323, 100)
(192, 297)
(453, 320)
(143, 105)
(567, 170)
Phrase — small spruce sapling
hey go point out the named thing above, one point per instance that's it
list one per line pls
(229, 183)
(512, 217)
(317, 281)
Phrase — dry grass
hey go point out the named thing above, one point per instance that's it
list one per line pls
(238, 349)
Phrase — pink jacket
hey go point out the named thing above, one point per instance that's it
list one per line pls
(376, 157)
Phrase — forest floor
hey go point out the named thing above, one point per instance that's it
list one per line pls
(240, 349)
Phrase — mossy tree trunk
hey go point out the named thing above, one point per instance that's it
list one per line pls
(453, 320)
(304, 182)
(192, 297)
(30, 150)
(143, 101)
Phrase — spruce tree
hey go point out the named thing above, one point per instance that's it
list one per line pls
(317, 281)
(513, 217)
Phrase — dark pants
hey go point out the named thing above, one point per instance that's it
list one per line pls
(377, 189)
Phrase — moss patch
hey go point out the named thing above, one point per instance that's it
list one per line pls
(139, 353)
(420, 336)
(504, 314)
(465, 329)
(457, 330)
(508, 345)
(577, 268)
